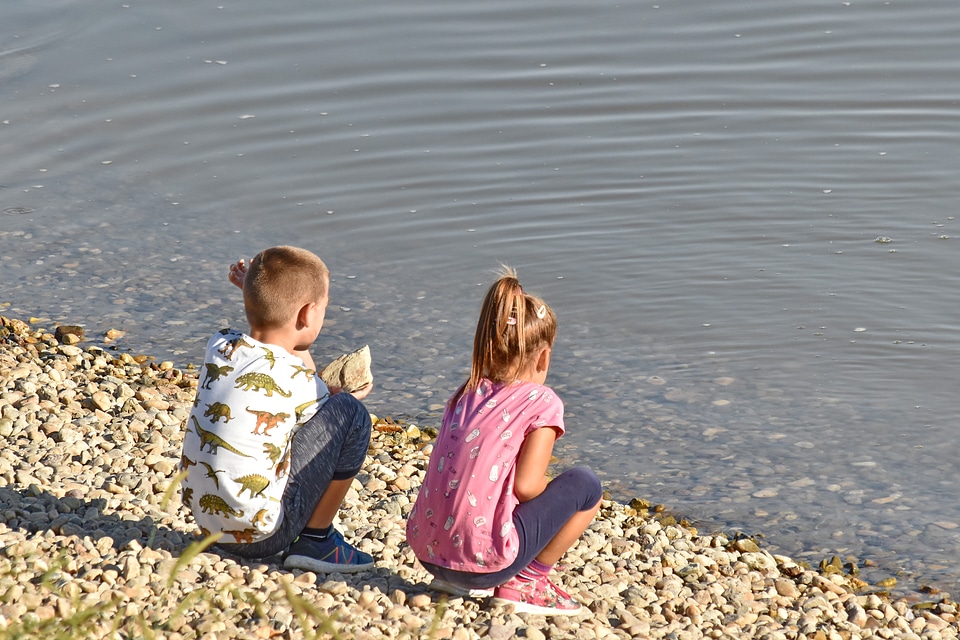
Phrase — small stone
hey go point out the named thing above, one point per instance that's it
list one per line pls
(412, 622)
(68, 334)
(366, 598)
(102, 400)
(786, 588)
(746, 545)
(421, 601)
(70, 350)
(856, 614)
(501, 631)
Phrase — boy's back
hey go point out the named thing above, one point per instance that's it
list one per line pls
(250, 399)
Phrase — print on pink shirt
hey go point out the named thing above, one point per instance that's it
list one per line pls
(463, 517)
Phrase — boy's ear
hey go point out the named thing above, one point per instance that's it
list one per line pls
(303, 316)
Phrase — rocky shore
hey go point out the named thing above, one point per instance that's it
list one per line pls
(94, 542)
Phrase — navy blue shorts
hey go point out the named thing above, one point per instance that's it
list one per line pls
(331, 445)
(537, 522)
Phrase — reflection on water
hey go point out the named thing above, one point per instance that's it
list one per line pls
(697, 190)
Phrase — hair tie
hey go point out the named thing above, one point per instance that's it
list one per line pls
(542, 311)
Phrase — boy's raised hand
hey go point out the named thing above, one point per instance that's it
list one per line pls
(238, 271)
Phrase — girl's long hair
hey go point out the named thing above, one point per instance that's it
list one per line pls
(512, 324)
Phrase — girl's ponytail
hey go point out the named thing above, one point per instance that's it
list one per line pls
(511, 325)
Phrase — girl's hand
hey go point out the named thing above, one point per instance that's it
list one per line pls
(531, 476)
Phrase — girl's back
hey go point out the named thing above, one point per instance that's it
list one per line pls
(463, 517)
(486, 515)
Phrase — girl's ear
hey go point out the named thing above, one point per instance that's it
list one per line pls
(543, 359)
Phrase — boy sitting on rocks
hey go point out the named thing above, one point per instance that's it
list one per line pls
(269, 450)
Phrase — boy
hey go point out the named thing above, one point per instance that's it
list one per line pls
(269, 450)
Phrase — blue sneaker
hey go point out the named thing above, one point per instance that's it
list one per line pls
(333, 555)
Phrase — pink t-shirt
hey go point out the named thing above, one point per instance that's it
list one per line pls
(463, 517)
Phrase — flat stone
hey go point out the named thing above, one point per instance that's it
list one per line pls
(349, 372)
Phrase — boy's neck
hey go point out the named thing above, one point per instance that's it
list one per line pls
(281, 337)
(286, 340)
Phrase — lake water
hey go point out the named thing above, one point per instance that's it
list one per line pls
(743, 213)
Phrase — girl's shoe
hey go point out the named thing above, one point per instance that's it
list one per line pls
(536, 596)
(332, 555)
(456, 590)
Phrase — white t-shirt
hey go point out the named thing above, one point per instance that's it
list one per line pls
(250, 400)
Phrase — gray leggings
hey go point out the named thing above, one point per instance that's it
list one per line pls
(537, 521)
(332, 445)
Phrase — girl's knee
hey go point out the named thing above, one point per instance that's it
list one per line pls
(588, 486)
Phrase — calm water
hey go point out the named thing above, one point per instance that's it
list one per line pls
(743, 213)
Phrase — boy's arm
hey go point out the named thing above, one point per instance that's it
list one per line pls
(304, 355)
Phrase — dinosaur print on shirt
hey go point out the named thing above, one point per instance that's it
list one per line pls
(236, 447)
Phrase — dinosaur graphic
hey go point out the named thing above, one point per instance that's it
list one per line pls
(266, 420)
(268, 356)
(279, 458)
(185, 462)
(257, 381)
(301, 409)
(260, 518)
(214, 504)
(307, 372)
(213, 442)
(244, 535)
(218, 410)
(283, 467)
(254, 483)
(273, 452)
(230, 347)
(214, 373)
(187, 497)
(212, 473)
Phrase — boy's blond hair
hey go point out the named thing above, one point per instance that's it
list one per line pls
(279, 281)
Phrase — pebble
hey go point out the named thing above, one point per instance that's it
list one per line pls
(91, 444)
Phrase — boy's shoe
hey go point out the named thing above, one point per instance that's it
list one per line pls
(333, 555)
(455, 590)
(536, 596)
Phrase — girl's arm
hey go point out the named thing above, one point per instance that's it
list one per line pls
(531, 477)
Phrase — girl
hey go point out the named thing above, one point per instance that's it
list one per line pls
(485, 515)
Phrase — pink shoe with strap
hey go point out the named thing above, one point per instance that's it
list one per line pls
(538, 596)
